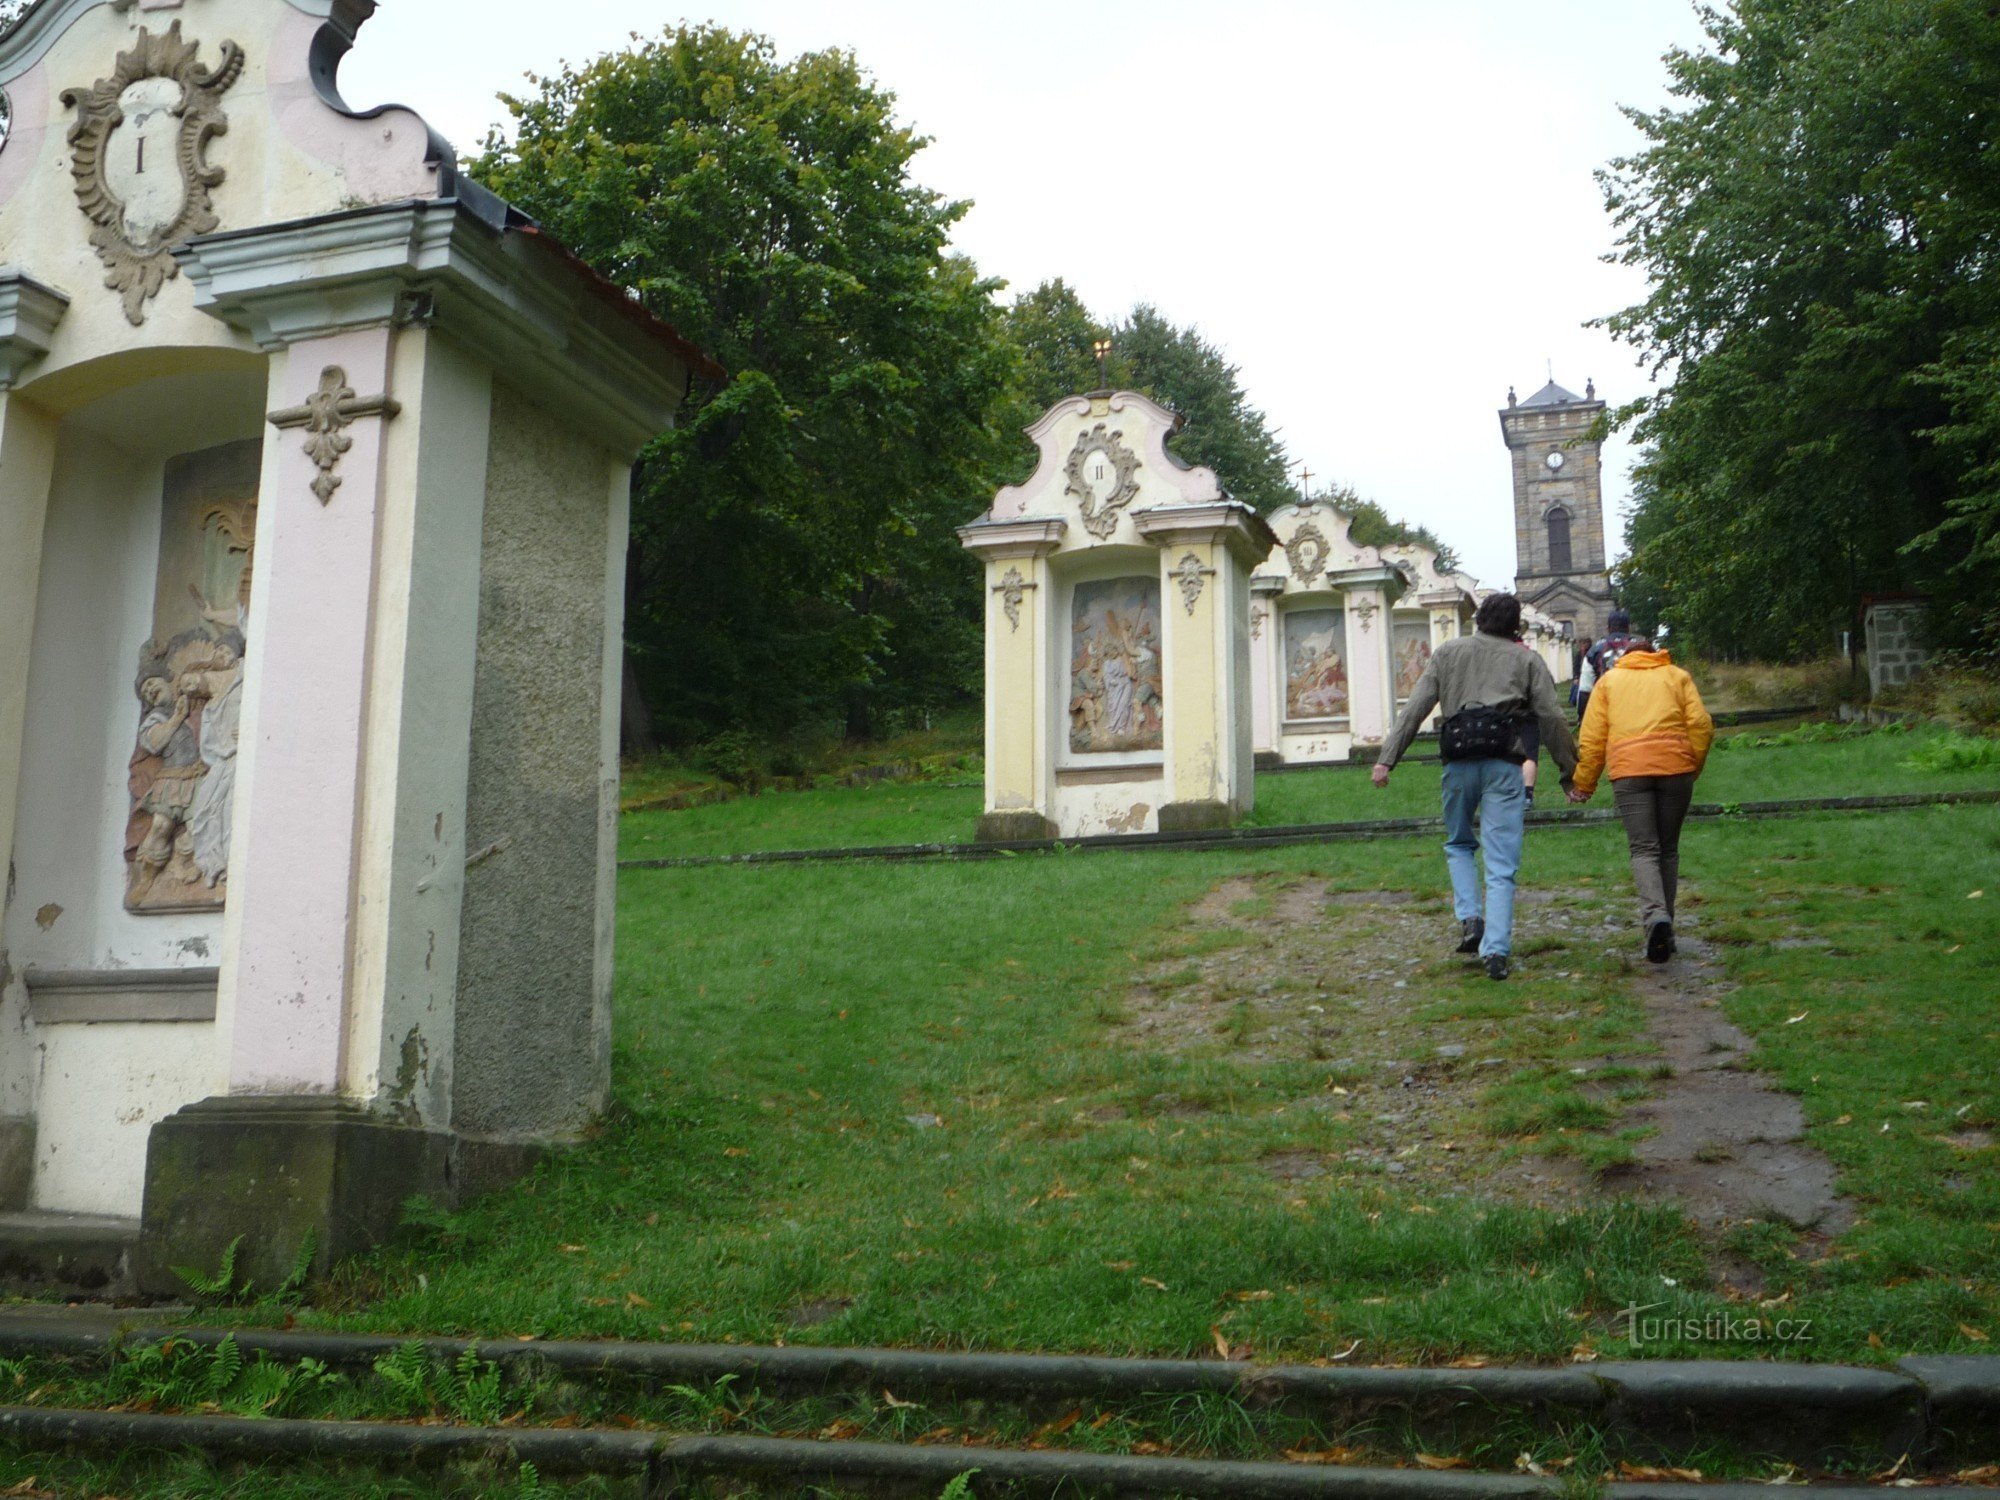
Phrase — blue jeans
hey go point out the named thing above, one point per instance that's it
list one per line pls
(1491, 789)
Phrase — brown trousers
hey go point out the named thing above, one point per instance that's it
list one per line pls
(1653, 809)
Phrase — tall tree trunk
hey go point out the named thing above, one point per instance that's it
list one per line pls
(860, 722)
(635, 719)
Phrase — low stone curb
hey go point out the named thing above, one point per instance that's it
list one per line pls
(1934, 1410)
(669, 1465)
(1298, 833)
(1728, 719)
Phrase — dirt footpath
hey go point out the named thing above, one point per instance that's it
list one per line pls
(1590, 1074)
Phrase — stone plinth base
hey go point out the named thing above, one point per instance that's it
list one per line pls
(17, 1160)
(1014, 827)
(72, 1255)
(1269, 760)
(1186, 817)
(278, 1172)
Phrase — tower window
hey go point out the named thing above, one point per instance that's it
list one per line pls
(1559, 557)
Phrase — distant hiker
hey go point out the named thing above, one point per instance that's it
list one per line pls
(1646, 718)
(1487, 688)
(1603, 656)
(1531, 745)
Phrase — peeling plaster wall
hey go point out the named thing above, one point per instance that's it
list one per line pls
(532, 1051)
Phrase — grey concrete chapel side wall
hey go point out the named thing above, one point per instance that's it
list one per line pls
(533, 1045)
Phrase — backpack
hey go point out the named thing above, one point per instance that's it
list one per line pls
(1477, 732)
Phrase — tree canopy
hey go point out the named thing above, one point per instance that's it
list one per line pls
(1818, 215)
(793, 554)
(794, 557)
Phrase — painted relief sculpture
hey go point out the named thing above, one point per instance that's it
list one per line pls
(139, 154)
(1315, 665)
(1413, 654)
(1115, 699)
(182, 776)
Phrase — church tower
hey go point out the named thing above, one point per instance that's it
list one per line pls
(1559, 556)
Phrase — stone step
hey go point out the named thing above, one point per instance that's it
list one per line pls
(87, 1255)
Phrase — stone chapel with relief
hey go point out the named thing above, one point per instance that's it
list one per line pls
(314, 474)
(1118, 675)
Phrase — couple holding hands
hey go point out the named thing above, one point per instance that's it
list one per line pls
(1644, 722)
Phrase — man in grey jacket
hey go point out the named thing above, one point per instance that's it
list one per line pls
(1489, 670)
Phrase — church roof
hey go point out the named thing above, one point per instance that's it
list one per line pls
(1554, 395)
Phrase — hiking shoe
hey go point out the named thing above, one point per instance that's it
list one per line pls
(1498, 966)
(1471, 933)
(1659, 942)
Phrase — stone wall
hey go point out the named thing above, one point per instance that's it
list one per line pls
(1896, 651)
(533, 1041)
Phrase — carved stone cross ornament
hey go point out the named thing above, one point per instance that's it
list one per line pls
(139, 154)
(1011, 587)
(1189, 573)
(327, 414)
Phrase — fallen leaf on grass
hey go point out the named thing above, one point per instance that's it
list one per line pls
(1121, 1265)
(1325, 1455)
(1467, 1362)
(572, 1249)
(1059, 1426)
(893, 1404)
(1984, 1471)
(1650, 1471)
(1156, 1285)
(1892, 1471)
(1348, 1350)
(633, 1299)
(1845, 1120)
(1978, 1334)
(1438, 1461)
(1794, 1020)
(1259, 1296)
(839, 1431)
(734, 1151)
(1222, 1344)
(1974, 895)
(1527, 1464)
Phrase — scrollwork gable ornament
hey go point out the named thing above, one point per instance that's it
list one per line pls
(1307, 553)
(139, 154)
(1100, 474)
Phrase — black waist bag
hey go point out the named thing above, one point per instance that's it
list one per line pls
(1477, 732)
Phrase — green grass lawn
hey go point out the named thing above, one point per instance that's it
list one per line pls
(913, 813)
(788, 1034)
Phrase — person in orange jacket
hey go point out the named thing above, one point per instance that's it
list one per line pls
(1647, 721)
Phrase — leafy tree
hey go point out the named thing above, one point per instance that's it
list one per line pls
(792, 551)
(1816, 213)
(1179, 368)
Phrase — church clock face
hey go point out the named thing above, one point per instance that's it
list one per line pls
(1555, 463)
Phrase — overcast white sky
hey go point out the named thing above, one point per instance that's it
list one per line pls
(1384, 213)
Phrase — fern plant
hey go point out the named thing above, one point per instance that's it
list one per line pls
(960, 1486)
(222, 1284)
